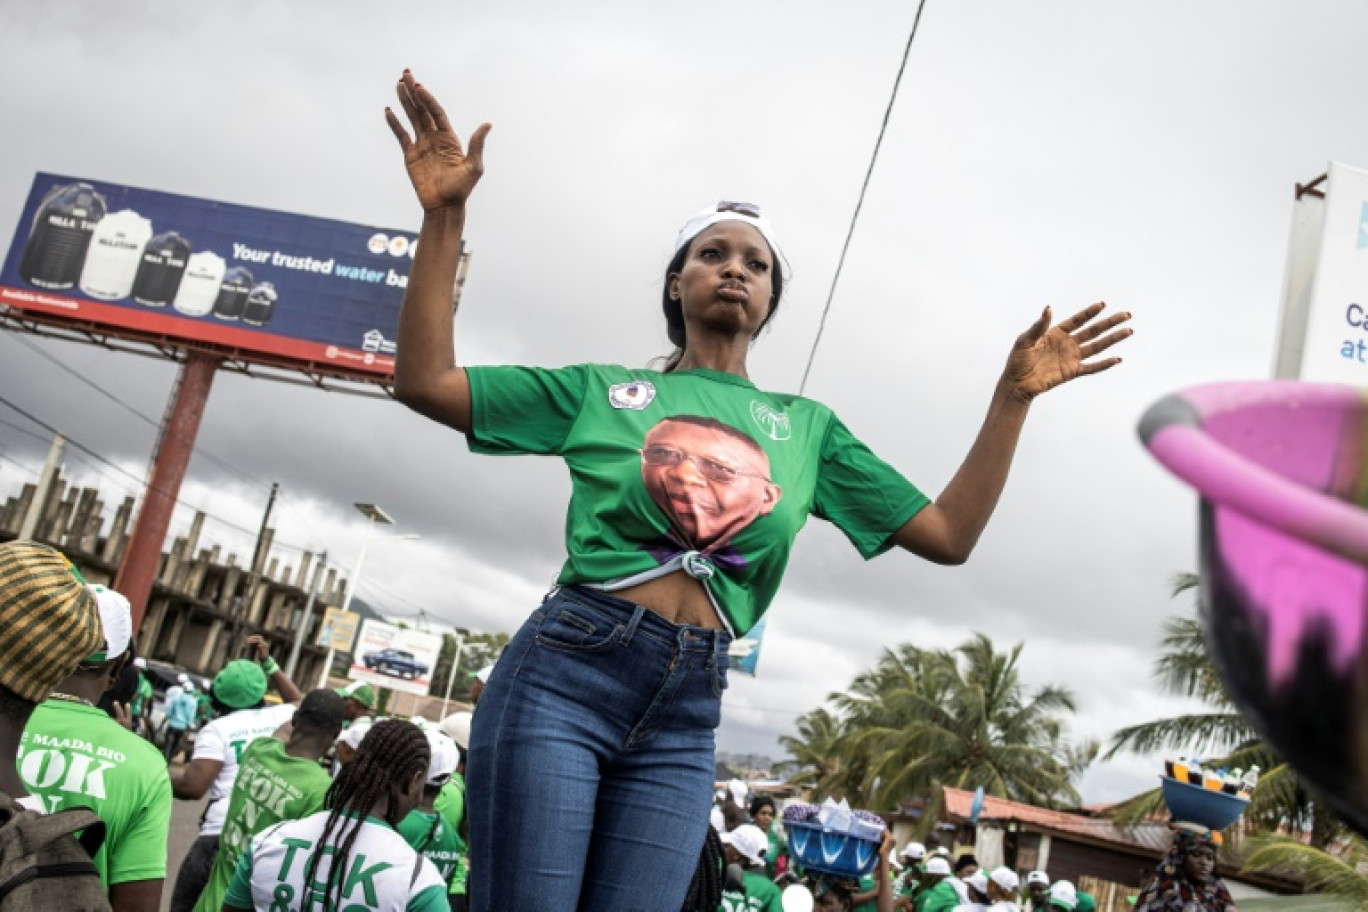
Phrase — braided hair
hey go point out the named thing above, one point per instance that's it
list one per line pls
(705, 890)
(389, 754)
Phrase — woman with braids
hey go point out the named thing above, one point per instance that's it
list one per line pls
(349, 856)
(1185, 880)
(591, 756)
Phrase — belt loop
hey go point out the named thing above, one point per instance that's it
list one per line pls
(630, 630)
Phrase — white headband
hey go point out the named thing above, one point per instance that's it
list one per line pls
(726, 211)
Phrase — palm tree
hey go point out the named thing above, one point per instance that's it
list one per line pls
(1340, 874)
(922, 719)
(1184, 668)
(814, 751)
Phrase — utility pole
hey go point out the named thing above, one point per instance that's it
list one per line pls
(304, 620)
(254, 577)
(40, 496)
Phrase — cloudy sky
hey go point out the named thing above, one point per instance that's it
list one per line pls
(1051, 152)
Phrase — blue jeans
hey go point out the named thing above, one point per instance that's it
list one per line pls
(591, 769)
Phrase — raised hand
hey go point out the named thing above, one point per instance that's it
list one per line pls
(443, 173)
(257, 643)
(1045, 356)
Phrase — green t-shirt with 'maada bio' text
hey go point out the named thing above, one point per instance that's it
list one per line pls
(699, 464)
(74, 755)
(271, 786)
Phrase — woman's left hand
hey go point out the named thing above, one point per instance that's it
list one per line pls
(1046, 356)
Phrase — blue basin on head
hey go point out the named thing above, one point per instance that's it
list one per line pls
(1213, 810)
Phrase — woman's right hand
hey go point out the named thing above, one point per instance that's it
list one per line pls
(443, 173)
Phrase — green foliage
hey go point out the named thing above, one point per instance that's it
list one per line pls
(1222, 735)
(477, 651)
(1338, 874)
(922, 719)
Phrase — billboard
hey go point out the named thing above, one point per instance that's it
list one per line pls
(1335, 347)
(393, 657)
(338, 630)
(256, 284)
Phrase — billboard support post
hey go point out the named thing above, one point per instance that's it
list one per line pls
(138, 569)
(451, 676)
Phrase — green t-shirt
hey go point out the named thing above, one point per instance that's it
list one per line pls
(430, 834)
(867, 883)
(732, 476)
(74, 755)
(142, 696)
(450, 804)
(939, 898)
(761, 896)
(777, 847)
(271, 786)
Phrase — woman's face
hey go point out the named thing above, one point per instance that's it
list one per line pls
(764, 817)
(1200, 863)
(726, 284)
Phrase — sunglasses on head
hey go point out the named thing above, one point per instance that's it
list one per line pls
(747, 209)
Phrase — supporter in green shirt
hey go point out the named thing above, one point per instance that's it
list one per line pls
(936, 893)
(74, 755)
(427, 828)
(276, 781)
(746, 845)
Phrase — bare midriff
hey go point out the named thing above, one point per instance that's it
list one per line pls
(678, 597)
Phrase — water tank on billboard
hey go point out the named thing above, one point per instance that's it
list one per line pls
(60, 236)
(116, 249)
(261, 305)
(232, 296)
(159, 274)
(199, 287)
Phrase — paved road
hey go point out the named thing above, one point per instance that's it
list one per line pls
(185, 817)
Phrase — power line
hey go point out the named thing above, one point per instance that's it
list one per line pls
(136, 480)
(199, 451)
(859, 203)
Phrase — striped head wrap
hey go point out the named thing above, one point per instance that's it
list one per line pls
(48, 619)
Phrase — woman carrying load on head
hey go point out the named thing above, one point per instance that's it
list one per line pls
(591, 758)
(1185, 880)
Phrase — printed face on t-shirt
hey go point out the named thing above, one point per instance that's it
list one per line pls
(710, 479)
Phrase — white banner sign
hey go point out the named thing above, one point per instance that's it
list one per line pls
(389, 656)
(1336, 347)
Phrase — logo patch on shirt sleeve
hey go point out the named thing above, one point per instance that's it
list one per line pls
(636, 394)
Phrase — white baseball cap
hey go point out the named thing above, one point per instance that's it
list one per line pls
(483, 674)
(1062, 893)
(738, 791)
(1006, 878)
(457, 727)
(937, 864)
(116, 617)
(445, 757)
(978, 880)
(140, 662)
(1038, 877)
(749, 840)
(914, 850)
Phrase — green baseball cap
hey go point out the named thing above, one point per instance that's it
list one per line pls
(240, 684)
(359, 691)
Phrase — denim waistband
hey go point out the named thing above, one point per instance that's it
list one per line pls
(643, 620)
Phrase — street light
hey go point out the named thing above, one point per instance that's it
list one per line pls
(461, 634)
(376, 516)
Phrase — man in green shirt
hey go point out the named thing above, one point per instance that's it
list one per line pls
(141, 704)
(74, 755)
(276, 781)
(450, 802)
(746, 845)
(936, 894)
(427, 829)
